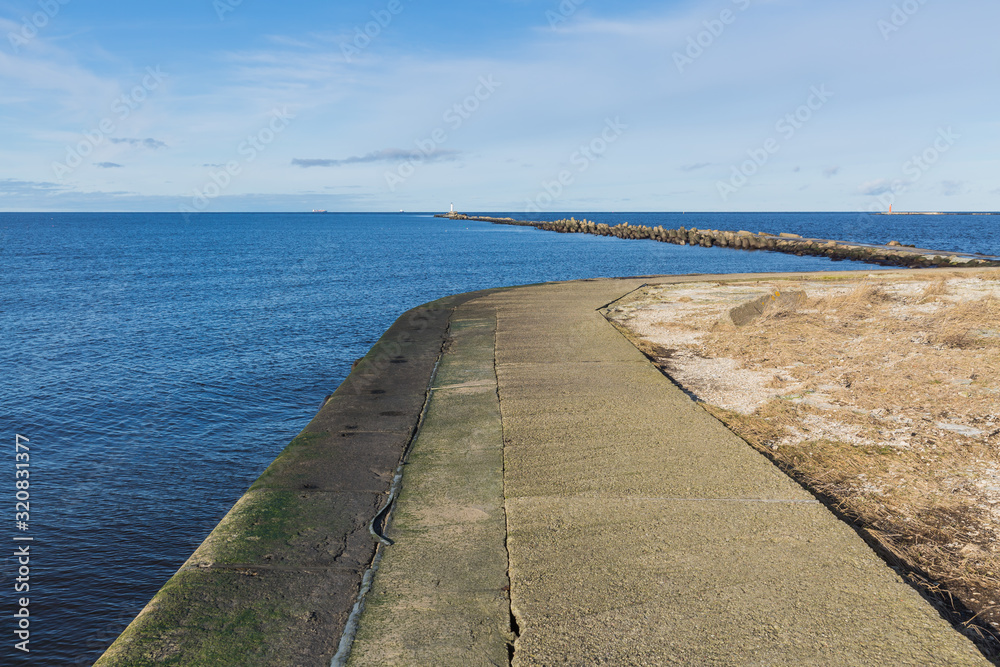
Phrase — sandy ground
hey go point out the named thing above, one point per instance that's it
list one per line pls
(881, 392)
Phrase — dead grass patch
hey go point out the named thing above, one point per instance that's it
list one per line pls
(934, 291)
(883, 398)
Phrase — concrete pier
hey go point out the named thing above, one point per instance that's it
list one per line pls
(561, 502)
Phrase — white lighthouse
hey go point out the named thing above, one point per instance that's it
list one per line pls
(453, 207)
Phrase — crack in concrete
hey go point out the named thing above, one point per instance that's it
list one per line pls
(514, 625)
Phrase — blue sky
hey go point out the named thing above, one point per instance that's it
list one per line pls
(510, 105)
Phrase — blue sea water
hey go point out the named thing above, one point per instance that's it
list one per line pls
(157, 366)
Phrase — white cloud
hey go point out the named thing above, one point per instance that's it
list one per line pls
(384, 155)
(952, 188)
(875, 188)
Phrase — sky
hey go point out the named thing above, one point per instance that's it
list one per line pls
(510, 105)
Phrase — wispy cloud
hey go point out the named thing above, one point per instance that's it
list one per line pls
(877, 187)
(385, 155)
(830, 172)
(108, 165)
(952, 188)
(18, 195)
(695, 166)
(150, 143)
(285, 40)
(11, 186)
(627, 27)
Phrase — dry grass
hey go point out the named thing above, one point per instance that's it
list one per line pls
(884, 399)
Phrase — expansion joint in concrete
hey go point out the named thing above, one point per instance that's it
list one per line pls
(515, 627)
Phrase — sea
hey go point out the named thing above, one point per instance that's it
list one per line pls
(153, 366)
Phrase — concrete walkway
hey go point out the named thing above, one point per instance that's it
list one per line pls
(631, 527)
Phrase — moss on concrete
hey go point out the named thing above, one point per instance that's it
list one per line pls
(274, 583)
(212, 617)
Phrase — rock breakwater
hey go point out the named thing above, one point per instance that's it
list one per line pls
(891, 254)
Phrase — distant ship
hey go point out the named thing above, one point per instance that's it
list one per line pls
(319, 210)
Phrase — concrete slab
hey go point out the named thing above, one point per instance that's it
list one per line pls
(292, 529)
(620, 464)
(641, 532)
(441, 594)
(227, 615)
(649, 581)
(343, 461)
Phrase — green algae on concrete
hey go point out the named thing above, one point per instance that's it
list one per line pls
(440, 596)
(274, 583)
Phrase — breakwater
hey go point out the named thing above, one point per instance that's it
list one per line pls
(891, 254)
